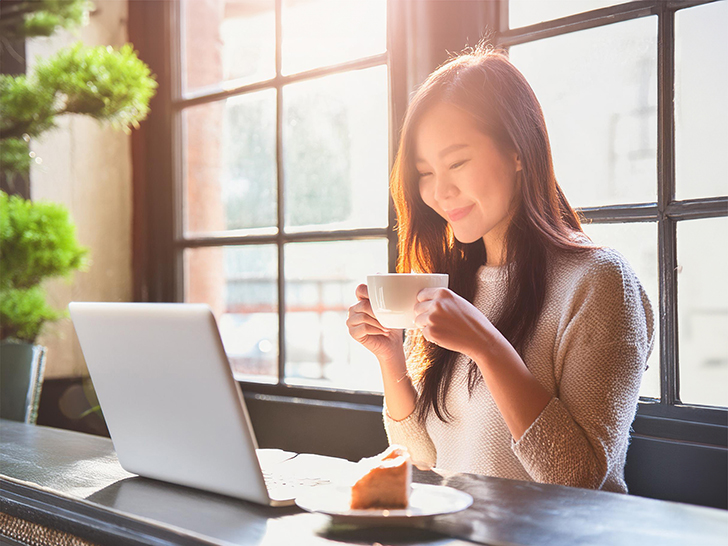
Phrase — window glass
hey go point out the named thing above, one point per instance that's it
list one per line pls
(598, 91)
(335, 156)
(529, 12)
(637, 242)
(240, 284)
(702, 252)
(319, 33)
(230, 165)
(335, 151)
(320, 282)
(701, 108)
(228, 40)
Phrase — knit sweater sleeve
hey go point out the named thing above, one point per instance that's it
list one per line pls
(606, 336)
(410, 432)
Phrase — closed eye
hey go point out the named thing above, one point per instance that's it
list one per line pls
(422, 175)
(458, 164)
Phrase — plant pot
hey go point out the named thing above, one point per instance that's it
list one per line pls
(21, 377)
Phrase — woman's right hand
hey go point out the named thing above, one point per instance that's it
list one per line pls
(386, 344)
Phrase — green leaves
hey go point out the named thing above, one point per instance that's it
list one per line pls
(108, 85)
(42, 17)
(14, 156)
(100, 82)
(25, 107)
(37, 241)
(23, 313)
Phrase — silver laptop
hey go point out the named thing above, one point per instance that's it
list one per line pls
(172, 406)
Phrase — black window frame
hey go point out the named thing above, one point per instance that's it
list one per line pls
(157, 154)
(667, 211)
(167, 262)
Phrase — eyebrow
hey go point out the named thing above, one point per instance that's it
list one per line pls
(448, 150)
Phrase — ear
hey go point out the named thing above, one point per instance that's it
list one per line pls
(519, 167)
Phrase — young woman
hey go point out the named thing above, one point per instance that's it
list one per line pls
(529, 365)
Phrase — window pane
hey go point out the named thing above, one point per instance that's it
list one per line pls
(529, 12)
(637, 242)
(702, 252)
(335, 150)
(320, 283)
(240, 284)
(324, 32)
(701, 109)
(228, 39)
(599, 94)
(230, 163)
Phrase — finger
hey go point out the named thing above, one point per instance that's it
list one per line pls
(421, 307)
(431, 336)
(430, 293)
(362, 292)
(362, 306)
(362, 318)
(418, 323)
(363, 330)
(420, 320)
(427, 334)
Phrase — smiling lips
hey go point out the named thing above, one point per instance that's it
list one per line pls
(457, 214)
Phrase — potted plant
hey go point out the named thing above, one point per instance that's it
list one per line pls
(38, 239)
(37, 242)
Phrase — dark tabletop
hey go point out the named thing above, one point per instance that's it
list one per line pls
(73, 482)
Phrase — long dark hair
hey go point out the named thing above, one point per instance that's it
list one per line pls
(484, 83)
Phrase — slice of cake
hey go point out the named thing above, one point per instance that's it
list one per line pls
(386, 481)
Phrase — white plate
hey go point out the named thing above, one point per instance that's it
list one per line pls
(425, 501)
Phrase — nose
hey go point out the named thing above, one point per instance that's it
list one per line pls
(444, 189)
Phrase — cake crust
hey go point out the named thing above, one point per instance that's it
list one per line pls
(386, 481)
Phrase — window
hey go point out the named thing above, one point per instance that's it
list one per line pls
(274, 177)
(648, 175)
(283, 203)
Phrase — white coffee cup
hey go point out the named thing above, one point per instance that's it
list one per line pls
(393, 295)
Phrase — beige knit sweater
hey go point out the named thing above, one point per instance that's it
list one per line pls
(588, 349)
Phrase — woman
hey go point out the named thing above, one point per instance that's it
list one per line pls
(529, 366)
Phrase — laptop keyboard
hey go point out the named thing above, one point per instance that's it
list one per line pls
(286, 473)
(280, 480)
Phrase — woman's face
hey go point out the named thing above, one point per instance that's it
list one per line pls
(463, 175)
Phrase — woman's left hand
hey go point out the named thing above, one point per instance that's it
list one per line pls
(454, 323)
(450, 321)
